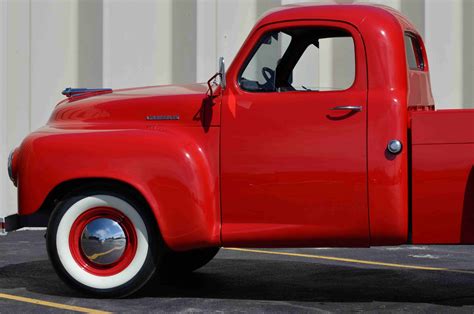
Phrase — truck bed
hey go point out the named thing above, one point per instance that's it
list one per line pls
(442, 158)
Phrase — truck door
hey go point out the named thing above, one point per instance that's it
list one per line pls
(293, 138)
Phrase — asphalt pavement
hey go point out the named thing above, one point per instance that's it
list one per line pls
(381, 279)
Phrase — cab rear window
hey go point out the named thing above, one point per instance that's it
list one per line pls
(414, 53)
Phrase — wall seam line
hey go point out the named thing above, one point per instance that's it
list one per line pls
(30, 107)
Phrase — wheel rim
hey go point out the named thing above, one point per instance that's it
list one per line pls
(103, 241)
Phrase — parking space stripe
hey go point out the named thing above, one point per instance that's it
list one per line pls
(352, 261)
(51, 304)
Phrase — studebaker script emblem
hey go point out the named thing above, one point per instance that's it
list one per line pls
(160, 118)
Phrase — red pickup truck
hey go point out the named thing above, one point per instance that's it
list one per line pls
(276, 153)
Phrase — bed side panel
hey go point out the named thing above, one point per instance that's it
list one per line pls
(443, 176)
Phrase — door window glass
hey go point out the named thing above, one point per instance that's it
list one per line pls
(300, 59)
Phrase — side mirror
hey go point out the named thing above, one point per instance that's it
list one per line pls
(222, 72)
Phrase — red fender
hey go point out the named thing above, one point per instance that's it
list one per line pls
(175, 169)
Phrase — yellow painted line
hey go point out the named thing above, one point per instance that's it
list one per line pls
(51, 304)
(353, 261)
(96, 255)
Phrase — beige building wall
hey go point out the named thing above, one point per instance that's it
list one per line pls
(46, 45)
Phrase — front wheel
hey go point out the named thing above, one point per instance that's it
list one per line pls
(102, 243)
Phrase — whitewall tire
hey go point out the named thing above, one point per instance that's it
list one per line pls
(103, 243)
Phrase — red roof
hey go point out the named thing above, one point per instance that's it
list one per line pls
(354, 14)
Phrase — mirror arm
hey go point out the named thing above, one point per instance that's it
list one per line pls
(210, 92)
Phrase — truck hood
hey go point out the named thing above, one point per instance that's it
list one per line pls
(184, 105)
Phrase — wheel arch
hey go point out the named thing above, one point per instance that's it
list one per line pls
(63, 189)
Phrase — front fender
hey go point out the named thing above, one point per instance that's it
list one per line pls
(175, 169)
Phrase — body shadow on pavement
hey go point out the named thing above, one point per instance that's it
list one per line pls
(274, 281)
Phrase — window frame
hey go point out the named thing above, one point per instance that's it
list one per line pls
(418, 51)
(258, 43)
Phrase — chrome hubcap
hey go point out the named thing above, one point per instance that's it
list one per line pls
(103, 241)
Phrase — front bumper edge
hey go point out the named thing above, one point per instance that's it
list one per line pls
(10, 223)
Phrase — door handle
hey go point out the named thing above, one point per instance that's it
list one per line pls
(352, 108)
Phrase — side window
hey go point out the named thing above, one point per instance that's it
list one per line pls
(414, 53)
(259, 74)
(300, 59)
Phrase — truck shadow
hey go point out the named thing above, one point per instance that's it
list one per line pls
(37, 276)
(275, 281)
(467, 227)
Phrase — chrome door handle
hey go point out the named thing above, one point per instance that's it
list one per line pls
(353, 108)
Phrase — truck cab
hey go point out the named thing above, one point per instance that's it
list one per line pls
(284, 151)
